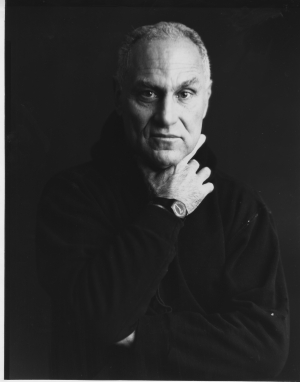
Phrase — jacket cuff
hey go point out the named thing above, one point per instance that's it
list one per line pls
(157, 219)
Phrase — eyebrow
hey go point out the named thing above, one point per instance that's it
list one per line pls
(149, 84)
(190, 82)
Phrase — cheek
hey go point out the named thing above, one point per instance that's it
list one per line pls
(135, 120)
(193, 127)
(194, 122)
(138, 115)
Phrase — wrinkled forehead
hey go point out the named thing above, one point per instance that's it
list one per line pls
(166, 57)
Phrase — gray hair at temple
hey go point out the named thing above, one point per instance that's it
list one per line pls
(159, 31)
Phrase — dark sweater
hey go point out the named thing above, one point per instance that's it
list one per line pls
(206, 296)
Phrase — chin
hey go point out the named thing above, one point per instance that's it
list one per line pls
(165, 159)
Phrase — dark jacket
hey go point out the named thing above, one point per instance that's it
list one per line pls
(206, 296)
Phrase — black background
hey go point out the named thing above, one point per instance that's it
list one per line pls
(59, 66)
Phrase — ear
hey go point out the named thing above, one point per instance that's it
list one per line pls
(117, 89)
(207, 96)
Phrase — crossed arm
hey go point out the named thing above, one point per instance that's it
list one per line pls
(108, 275)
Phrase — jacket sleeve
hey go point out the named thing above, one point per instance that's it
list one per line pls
(247, 338)
(104, 275)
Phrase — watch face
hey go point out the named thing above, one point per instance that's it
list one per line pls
(179, 209)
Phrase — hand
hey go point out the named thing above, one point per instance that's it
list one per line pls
(128, 341)
(181, 182)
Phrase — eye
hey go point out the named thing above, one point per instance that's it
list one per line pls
(184, 95)
(148, 94)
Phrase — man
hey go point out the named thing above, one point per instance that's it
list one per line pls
(158, 265)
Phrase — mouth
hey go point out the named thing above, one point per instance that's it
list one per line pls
(159, 141)
(165, 136)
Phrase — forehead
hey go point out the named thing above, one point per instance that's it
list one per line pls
(165, 59)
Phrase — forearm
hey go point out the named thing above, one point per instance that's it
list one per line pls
(221, 346)
(244, 336)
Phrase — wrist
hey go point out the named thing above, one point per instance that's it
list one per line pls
(174, 206)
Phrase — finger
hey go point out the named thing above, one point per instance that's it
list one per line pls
(207, 188)
(199, 143)
(204, 173)
(194, 165)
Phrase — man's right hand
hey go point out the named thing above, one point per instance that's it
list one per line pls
(182, 182)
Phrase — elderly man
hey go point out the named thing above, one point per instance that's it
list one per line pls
(159, 266)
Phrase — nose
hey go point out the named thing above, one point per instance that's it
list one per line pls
(166, 113)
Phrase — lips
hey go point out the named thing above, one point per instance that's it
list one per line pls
(159, 141)
(164, 136)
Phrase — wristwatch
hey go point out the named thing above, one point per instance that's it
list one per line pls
(172, 205)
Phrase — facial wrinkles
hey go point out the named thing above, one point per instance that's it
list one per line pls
(170, 81)
(171, 77)
(166, 70)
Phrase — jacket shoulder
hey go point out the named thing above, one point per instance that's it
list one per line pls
(82, 181)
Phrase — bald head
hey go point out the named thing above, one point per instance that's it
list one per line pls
(168, 31)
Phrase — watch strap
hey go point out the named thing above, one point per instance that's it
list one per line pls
(174, 206)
